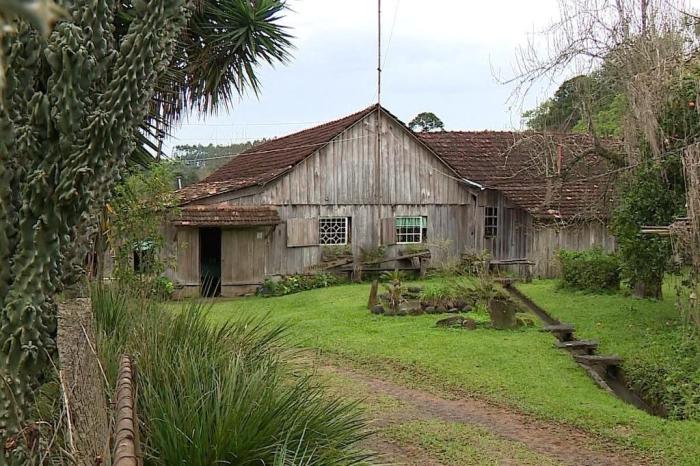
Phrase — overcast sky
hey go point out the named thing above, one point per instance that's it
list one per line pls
(442, 56)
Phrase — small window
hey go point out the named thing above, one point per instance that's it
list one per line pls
(491, 222)
(334, 230)
(411, 229)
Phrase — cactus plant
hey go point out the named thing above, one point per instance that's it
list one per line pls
(70, 108)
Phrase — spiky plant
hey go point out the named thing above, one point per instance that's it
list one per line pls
(71, 103)
(231, 393)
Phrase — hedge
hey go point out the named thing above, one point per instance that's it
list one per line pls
(590, 270)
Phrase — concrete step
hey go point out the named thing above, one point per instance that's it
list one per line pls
(559, 328)
(506, 282)
(598, 360)
(590, 345)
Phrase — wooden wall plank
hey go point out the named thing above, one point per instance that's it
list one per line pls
(187, 265)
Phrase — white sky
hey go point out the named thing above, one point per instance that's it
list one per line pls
(442, 56)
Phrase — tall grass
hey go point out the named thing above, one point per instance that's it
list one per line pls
(226, 394)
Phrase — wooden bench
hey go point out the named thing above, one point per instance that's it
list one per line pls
(526, 264)
(416, 262)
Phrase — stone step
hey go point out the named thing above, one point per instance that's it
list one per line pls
(505, 281)
(559, 328)
(577, 344)
(598, 360)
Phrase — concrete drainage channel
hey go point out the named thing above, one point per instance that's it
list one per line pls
(606, 371)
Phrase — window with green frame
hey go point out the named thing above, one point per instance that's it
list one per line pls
(410, 230)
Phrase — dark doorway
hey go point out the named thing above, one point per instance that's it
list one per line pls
(210, 261)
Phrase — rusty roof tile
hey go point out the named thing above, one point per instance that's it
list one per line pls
(264, 162)
(544, 173)
(226, 215)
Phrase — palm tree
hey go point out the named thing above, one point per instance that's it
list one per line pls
(216, 60)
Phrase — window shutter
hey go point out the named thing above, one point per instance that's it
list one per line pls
(388, 231)
(302, 232)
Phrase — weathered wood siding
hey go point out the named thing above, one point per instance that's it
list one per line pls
(243, 254)
(447, 233)
(346, 179)
(186, 270)
(347, 172)
(549, 239)
(513, 228)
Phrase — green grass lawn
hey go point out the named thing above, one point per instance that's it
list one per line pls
(621, 324)
(518, 368)
(660, 357)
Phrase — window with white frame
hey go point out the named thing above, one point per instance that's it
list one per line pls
(334, 230)
(491, 222)
(411, 229)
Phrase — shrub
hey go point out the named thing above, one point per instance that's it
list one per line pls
(163, 288)
(651, 194)
(223, 394)
(591, 270)
(449, 292)
(372, 254)
(415, 248)
(448, 268)
(296, 283)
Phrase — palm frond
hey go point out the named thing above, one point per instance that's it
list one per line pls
(215, 61)
(219, 55)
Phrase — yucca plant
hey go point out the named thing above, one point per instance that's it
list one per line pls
(226, 394)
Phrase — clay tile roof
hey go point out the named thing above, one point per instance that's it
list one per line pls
(265, 162)
(226, 215)
(524, 167)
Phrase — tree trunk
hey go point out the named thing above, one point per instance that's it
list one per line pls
(373, 300)
(647, 289)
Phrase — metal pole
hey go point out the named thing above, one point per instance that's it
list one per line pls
(379, 101)
(379, 52)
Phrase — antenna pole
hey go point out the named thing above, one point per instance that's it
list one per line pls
(379, 52)
(379, 101)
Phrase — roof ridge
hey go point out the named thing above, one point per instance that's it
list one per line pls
(505, 131)
(312, 128)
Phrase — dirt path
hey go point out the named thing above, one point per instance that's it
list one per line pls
(552, 442)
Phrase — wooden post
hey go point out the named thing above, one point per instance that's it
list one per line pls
(373, 295)
(356, 272)
(82, 383)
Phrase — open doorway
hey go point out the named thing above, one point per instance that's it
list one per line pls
(210, 261)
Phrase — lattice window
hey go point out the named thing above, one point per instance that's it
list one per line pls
(491, 222)
(410, 230)
(334, 230)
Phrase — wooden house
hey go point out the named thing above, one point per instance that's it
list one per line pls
(278, 207)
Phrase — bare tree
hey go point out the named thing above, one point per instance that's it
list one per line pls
(639, 45)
